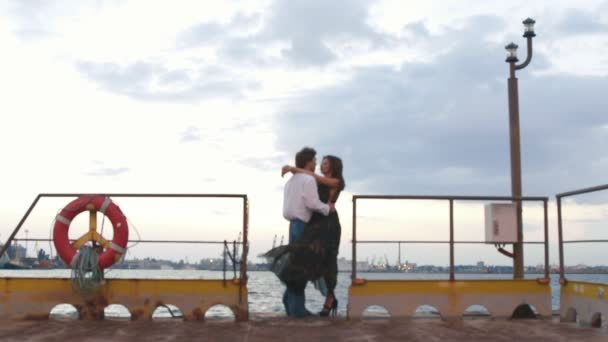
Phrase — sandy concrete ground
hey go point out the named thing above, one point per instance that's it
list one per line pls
(314, 329)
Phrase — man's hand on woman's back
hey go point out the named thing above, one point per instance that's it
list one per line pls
(285, 169)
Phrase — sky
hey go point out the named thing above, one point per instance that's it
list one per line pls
(214, 97)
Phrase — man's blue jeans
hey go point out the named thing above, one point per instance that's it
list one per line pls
(294, 300)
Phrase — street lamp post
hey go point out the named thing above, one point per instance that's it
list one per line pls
(518, 250)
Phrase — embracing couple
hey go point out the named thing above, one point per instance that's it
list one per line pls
(314, 232)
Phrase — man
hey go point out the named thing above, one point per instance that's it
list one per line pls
(300, 200)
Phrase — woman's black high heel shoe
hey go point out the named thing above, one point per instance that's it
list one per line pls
(327, 310)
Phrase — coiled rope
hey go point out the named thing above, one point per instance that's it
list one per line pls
(86, 274)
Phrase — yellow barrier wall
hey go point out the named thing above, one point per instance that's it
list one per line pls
(401, 297)
(583, 302)
(35, 297)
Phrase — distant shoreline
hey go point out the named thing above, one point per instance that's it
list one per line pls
(498, 273)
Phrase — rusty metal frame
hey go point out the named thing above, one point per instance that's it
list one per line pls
(245, 243)
(560, 235)
(451, 242)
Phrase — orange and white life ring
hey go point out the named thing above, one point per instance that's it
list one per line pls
(113, 250)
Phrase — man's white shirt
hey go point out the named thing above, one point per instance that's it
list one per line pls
(301, 198)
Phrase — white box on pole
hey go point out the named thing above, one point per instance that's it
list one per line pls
(501, 222)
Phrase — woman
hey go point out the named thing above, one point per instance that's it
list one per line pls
(315, 256)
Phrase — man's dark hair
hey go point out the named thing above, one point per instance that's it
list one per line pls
(304, 156)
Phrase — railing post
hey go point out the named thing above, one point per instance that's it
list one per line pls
(243, 280)
(224, 261)
(546, 239)
(451, 240)
(560, 238)
(354, 241)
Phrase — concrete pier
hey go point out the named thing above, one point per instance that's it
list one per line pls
(305, 330)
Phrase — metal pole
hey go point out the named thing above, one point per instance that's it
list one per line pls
(583, 191)
(546, 240)
(245, 242)
(518, 250)
(560, 238)
(452, 197)
(224, 262)
(243, 280)
(354, 265)
(514, 134)
(451, 240)
(234, 256)
(433, 241)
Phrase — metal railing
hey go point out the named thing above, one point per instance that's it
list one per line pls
(451, 241)
(560, 235)
(225, 243)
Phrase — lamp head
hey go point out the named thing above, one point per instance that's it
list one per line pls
(529, 28)
(511, 53)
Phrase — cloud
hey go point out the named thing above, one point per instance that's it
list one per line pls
(441, 126)
(154, 82)
(38, 20)
(248, 52)
(307, 25)
(99, 168)
(107, 171)
(191, 134)
(417, 28)
(269, 164)
(210, 33)
(306, 31)
(576, 21)
(235, 41)
(33, 34)
(29, 17)
(202, 34)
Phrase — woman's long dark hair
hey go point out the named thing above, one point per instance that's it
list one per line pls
(335, 164)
